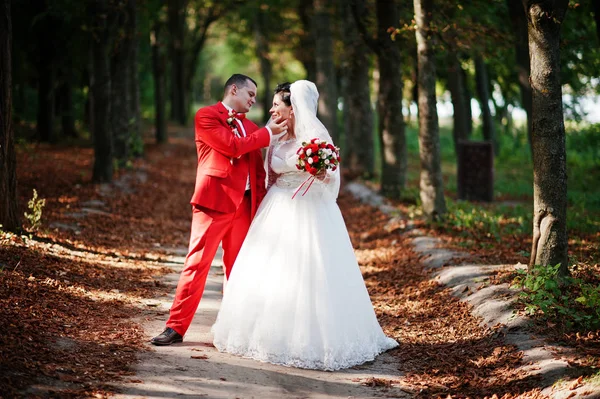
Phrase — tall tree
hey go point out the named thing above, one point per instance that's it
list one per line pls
(306, 51)
(326, 72)
(185, 45)
(100, 88)
(135, 107)
(549, 246)
(120, 76)
(389, 97)
(483, 92)
(177, 26)
(596, 11)
(358, 118)
(159, 67)
(519, 23)
(456, 86)
(44, 28)
(9, 219)
(431, 183)
(263, 54)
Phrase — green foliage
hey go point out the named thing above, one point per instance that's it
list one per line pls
(35, 206)
(491, 222)
(567, 301)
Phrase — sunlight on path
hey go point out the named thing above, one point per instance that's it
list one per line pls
(195, 369)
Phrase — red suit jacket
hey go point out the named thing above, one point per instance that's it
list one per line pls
(225, 161)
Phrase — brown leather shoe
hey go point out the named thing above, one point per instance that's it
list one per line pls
(167, 337)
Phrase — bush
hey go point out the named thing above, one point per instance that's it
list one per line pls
(35, 205)
(566, 301)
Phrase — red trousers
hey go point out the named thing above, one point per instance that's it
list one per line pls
(209, 228)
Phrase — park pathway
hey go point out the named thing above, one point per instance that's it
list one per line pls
(195, 369)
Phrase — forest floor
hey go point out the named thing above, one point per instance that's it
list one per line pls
(81, 296)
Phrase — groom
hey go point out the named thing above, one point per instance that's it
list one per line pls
(230, 183)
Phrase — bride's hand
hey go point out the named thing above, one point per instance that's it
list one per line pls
(322, 174)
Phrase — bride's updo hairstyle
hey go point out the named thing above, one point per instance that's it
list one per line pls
(284, 90)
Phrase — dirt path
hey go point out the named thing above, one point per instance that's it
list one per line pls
(195, 369)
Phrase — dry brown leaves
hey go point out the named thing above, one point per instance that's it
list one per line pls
(67, 297)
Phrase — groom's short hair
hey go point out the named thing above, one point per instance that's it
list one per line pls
(239, 80)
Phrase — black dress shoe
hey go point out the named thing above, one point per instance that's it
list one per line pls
(167, 337)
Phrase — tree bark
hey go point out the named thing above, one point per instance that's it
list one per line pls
(358, 112)
(483, 92)
(596, 11)
(45, 111)
(389, 103)
(306, 51)
(159, 67)
(326, 74)
(121, 91)
(46, 70)
(548, 134)
(266, 66)
(468, 97)
(431, 183)
(177, 29)
(9, 215)
(67, 112)
(100, 86)
(456, 86)
(134, 83)
(519, 21)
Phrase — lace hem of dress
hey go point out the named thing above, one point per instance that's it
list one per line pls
(326, 362)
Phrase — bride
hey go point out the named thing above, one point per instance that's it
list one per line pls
(295, 296)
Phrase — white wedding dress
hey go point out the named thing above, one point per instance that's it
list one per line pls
(296, 296)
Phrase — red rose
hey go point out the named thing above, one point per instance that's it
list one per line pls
(315, 159)
(302, 156)
(323, 145)
(314, 148)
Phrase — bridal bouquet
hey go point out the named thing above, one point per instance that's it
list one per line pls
(314, 157)
(317, 155)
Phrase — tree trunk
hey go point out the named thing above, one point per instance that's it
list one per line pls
(483, 92)
(46, 71)
(548, 134)
(456, 86)
(431, 183)
(519, 21)
(134, 83)
(45, 112)
(306, 51)
(389, 103)
(159, 66)
(468, 97)
(326, 76)
(9, 215)
(358, 113)
(596, 11)
(177, 29)
(121, 92)
(266, 67)
(100, 87)
(67, 112)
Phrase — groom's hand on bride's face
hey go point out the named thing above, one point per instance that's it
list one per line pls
(278, 126)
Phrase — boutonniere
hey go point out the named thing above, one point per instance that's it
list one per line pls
(231, 122)
(232, 114)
